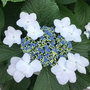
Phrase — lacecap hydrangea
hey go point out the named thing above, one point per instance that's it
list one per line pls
(45, 46)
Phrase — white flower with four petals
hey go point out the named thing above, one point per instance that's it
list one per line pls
(12, 36)
(74, 34)
(23, 67)
(34, 33)
(63, 74)
(62, 26)
(69, 32)
(77, 62)
(27, 20)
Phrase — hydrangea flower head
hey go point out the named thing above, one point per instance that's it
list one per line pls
(63, 74)
(12, 36)
(48, 48)
(27, 20)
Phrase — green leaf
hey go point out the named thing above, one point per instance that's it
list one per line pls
(5, 1)
(82, 13)
(46, 10)
(83, 81)
(12, 85)
(7, 53)
(65, 1)
(65, 12)
(47, 81)
(81, 47)
(4, 76)
(1, 22)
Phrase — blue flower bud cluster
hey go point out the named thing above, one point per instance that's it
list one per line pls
(48, 48)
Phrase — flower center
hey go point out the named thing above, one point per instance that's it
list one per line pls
(64, 70)
(13, 37)
(27, 21)
(48, 48)
(62, 26)
(76, 62)
(33, 32)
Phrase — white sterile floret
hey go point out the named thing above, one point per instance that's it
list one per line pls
(27, 20)
(63, 74)
(87, 34)
(27, 67)
(34, 33)
(12, 36)
(73, 34)
(87, 27)
(77, 62)
(62, 26)
(17, 75)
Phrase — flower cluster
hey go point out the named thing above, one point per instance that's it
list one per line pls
(87, 32)
(45, 46)
(69, 32)
(65, 69)
(23, 67)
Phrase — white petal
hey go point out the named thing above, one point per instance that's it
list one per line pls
(24, 15)
(62, 62)
(66, 21)
(28, 72)
(71, 57)
(11, 69)
(77, 56)
(18, 76)
(26, 58)
(57, 30)
(30, 28)
(83, 61)
(22, 23)
(32, 17)
(21, 65)
(69, 38)
(88, 87)
(87, 27)
(64, 32)
(18, 40)
(81, 69)
(55, 69)
(36, 65)
(72, 76)
(14, 60)
(77, 39)
(71, 65)
(62, 78)
(11, 29)
(40, 33)
(87, 34)
(8, 41)
(57, 22)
